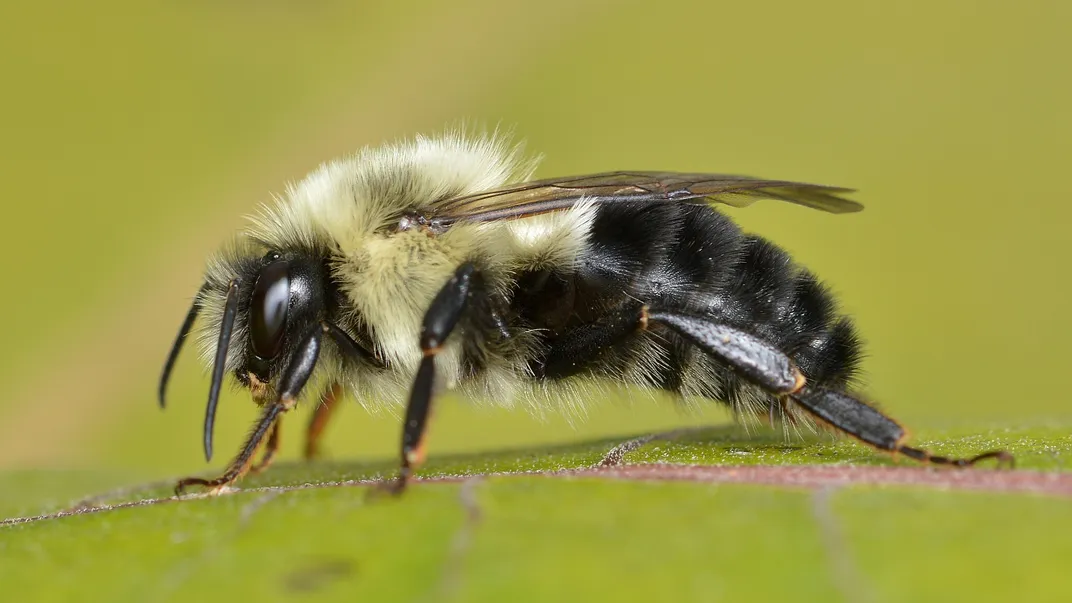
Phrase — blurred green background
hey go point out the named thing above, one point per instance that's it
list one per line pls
(137, 135)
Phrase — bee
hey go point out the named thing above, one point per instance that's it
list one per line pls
(436, 263)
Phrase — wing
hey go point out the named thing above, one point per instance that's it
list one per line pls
(554, 194)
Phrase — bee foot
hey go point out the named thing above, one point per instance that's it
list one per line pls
(212, 487)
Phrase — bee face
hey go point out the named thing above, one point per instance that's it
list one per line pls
(286, 295)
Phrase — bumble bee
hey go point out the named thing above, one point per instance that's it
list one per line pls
(437, 263)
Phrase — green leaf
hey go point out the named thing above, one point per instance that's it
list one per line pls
(532, 532)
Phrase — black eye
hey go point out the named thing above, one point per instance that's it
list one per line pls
(268, 313)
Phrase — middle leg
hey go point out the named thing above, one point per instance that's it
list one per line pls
(444, 313)
(323, 412)
(271, 448)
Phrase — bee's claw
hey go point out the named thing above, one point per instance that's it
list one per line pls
(213, 487)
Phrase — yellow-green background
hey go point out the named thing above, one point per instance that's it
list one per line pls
(136, 135)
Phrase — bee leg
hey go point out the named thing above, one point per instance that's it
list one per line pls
(773, 370)
(353, 352)
(844, 412)
(755, 360)
(580, 347)
(440, 319)
(321, 415)
(271, 448)
(294, 378)
(240, 465)
(748, 355)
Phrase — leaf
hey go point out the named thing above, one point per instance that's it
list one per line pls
(532, 532)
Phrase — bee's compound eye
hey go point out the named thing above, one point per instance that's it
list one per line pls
(268, 312)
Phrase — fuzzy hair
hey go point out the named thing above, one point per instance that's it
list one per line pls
(348, 210)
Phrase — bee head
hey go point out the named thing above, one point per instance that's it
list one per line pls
(259, 306)
(285, 297)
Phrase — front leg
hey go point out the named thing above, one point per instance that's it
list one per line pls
(439, 321)
(297, 373)
(271, 449)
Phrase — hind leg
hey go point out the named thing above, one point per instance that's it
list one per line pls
(759, 363)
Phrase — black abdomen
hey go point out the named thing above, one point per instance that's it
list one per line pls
(692, 259)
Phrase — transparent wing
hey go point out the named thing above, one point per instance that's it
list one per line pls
(553, 194)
